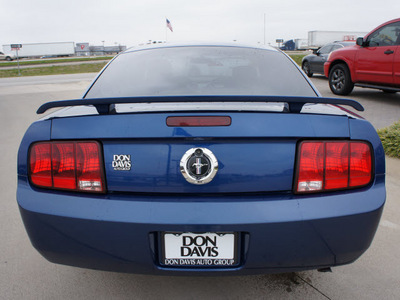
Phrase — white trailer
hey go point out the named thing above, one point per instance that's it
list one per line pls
(43, 49)
(320, 38)
(301, 44)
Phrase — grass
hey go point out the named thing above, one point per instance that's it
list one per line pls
(390, 137)
(70, 69)
(297, 58)
(52, 61)
(54, 70)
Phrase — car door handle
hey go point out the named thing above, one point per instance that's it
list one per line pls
(389, 52)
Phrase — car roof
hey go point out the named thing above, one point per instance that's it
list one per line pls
(199, 44)
(383, 24)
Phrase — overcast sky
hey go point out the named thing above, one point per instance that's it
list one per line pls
(132, 22)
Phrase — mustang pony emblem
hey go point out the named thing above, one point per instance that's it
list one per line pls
(199, 165)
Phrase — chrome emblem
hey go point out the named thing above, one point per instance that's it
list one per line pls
(199, 165)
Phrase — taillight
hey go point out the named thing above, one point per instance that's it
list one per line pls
(332, 165)
(75, 166)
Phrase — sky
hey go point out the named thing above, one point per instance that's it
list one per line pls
(132, 22)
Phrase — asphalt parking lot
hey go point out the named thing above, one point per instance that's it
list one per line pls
(24, 274)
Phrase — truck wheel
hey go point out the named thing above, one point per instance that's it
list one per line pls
(306, 68)
(340, 80)
(8, 58)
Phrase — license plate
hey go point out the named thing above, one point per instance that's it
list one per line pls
(199, 249)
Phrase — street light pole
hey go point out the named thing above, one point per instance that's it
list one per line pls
(19, 71)
(264, 28)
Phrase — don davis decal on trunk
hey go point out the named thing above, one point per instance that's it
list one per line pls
(121, 162)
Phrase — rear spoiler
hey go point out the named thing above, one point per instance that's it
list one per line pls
(103, 105)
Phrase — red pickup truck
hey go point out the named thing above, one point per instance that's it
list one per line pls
(374, 62)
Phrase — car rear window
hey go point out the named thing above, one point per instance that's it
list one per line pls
(180, 71)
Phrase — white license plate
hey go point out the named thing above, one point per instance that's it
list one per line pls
(199, 249)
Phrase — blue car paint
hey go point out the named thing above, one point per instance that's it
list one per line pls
(278, 231)
(283, 233)
(262, 161)
(161, 174)
(244, 125)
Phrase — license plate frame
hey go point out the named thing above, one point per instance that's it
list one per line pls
(204, 256)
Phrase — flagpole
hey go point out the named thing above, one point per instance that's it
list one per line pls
(264, 28)
(167, 26)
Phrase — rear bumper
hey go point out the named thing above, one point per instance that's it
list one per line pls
(278, 233)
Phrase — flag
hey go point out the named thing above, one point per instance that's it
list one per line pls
(169, 25)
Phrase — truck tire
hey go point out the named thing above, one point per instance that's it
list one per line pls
(8, 58)
(306, 68)
(340, 80)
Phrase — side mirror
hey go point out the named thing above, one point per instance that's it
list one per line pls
(315, 51)
(360, 41)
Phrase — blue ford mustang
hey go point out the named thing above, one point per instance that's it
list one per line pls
(188, 159)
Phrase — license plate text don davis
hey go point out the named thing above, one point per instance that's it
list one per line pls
(195, 249)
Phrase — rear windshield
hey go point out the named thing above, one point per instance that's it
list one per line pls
(181, 71)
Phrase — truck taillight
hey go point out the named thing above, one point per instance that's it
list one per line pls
(332, 165)
(74, 166)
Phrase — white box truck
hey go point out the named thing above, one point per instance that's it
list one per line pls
(43, 49)
(301, 44)
(319, 38)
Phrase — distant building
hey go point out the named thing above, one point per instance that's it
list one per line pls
(84, 49)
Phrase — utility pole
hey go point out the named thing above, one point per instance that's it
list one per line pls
(264, 28)
(17, 47)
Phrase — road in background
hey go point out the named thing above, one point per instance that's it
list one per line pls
(381, 109)
(54, 64)
(24, 274)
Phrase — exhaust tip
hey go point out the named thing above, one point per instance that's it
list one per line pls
(325, 270)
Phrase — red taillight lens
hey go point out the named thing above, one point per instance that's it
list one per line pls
(360, 168)
(73, 166)
(336, 165)
(332, 165)
(40, 165)
(63, 161)
(311, 170)
(88, 167)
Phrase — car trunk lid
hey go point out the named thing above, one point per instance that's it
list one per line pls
(255, 153)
